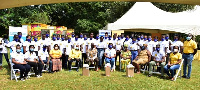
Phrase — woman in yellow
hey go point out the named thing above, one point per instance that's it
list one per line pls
(55, 57)
(126, 57)
(173, 64)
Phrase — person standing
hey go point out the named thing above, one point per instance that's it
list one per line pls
(4, 51)
(190, 49)
(101, 45)
(134, 49)
(118, 48)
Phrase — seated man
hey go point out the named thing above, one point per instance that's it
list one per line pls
(126, 57)
(75, 55)
(110, 55)
(92, 56)
(143, 58)
(44, 57)
(158, 59)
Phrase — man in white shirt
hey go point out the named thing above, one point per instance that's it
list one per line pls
(36, 45)
(83, 48)
(20, 37)
(118, 48)
(81, 37)
(44, 57)
(158, 59)
(110, 55)
(134, 48)
(14, 43)
(43, 41)
(168, 45)
(3, 50)
(155, 43)
(101, 45)
(90, 40)
(178, 43)
(62, 49)
(53, 42)
(163, 44)
(76, 42)
(68, 47)
(150, 44)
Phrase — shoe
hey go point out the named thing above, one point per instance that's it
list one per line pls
(149, 75)
(183, 76)
(38, 76)
(187, 77)
(77, 70)
(22, 79)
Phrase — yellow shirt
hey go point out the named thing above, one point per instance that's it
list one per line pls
(189, 46)
(175, 57)
(75, 54)
(55, 53)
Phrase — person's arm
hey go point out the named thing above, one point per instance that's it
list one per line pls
(38, 47)
(105, 54)
(169, 62)
(113, 56)
(60, 54)
(179, 61)
(163, 59)
(24, 49)
(154, 58)
(149, 56)
(41, 59)
(181, 49)
(15, 62)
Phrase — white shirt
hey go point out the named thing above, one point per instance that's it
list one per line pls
(62, 46)
(163, 44)
(19, 57)
(43, 42)
(68, 47)
(114, 41)
(141, 43)
(13, 45)
(52, 43)
(167, 45)
(127, 43)
(110, 52)
(119, 44)
(91, 41)
(22, 41)
(150, 45)
(83, 44)
(27, 44)
(30, 56)
(134, 46)
(43, 55)
(158, 56)
(3, 46)
(176, 43)
(76, 43)
(101, 44)
(36, 45)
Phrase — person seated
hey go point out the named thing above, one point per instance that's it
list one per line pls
(44, 57)
(174, 62)
(92, 56)
(143, 58)
(55, 55)
(126, 57)
(110, 55)
(158, 59)
(30, 57)
(20, 63)
(75, 55)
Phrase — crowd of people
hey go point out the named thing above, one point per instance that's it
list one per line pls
(60, 51)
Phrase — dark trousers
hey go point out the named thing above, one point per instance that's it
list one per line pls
(50, 65)
(24, 69)
(6, 57)
(77, 63)
(64, 60)
(117, 54)
(37, 67)
(84, 57)
(96, 61)
(167, 58)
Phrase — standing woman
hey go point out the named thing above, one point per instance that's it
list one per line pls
(56, 54)
(30, 57)
(20, 63)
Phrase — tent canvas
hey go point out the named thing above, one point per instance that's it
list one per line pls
(145, 16)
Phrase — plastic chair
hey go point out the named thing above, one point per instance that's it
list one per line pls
(13, 72)
(179, 71)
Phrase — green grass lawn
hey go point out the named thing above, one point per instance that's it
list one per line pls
(97, 80)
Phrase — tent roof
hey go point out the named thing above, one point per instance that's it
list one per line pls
(144, 15)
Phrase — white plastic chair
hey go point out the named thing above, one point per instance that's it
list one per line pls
(179, 71)
(13, 72)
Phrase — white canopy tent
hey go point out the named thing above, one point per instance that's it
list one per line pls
(145, 17)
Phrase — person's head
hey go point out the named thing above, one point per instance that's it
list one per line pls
(54, 37)
(122, 35)
(114, 36)
(118, 37)
(101, 39)
(16, 38)
(144, 47)
(31, 48)
(19, 34)
(133, 40)
(106, 35)
(85, 37)
(158, 47)
(163, 37)
(35, 38)
(189, 37)
(91, 35)
(155, 39)
(97, 36)
(175, 49)
(138, 38)
(43, 36)
(81, 35)
(149, 38)
(28, 38)
(56, 47)
(176, 38)
(92, 45)
(127, 38)
(69, 39)
(142, 37)
(18, 48)
(73, 35)
(109, 37)
(76, 38)
(110, 45)
(167, 37)
(5, 36)
(66, 37)
(77, 47)
(47, 35)
(62, 37)
(145, 37)
(125, 47)
(58, 37)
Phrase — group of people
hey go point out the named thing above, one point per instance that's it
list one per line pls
(60, 51)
